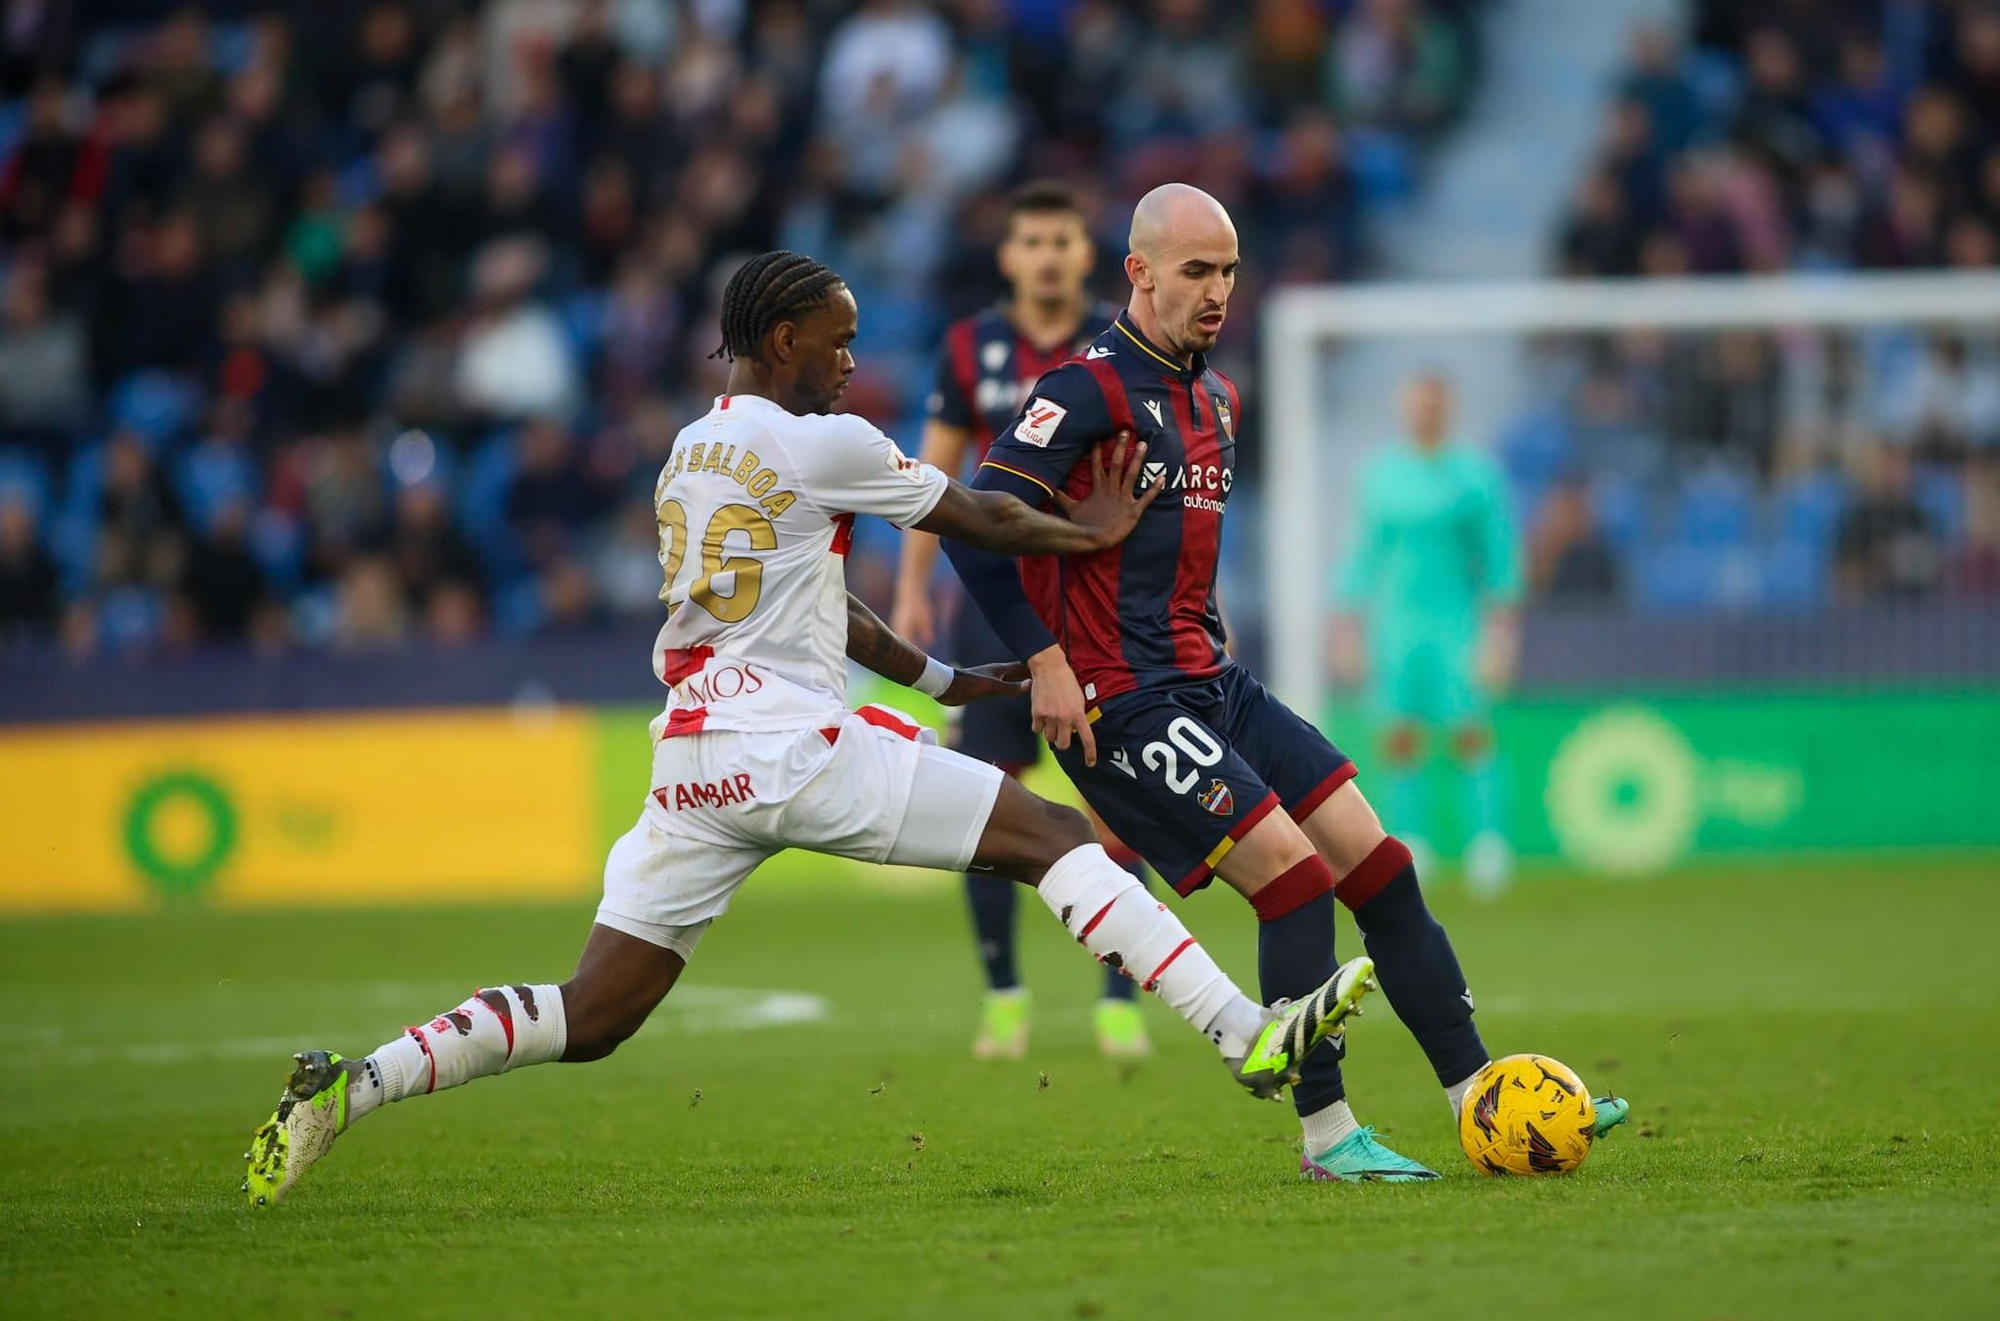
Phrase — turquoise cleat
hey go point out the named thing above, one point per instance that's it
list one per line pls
(1359, 1158)
(1611, 1112)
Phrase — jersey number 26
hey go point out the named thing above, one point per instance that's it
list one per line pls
(745, 573)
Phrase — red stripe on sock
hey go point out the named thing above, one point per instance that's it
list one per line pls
(1294, 888)
(1091, 925)
(506, 1016)
(431, 1059)
(1376, 870)
(1153, 981)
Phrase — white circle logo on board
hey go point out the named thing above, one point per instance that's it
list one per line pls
(1623, 794)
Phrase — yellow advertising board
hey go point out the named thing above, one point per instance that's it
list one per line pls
(322, 809)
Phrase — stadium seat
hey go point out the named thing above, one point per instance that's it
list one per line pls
(1808, 508)
(1793, 572)
(1941, 494)
(210, 476)
(1620, 506)
(25, 476)
(1715, 507)
(156, 404)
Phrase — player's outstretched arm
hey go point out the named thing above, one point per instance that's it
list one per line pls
(1002, 522)
(875, 646)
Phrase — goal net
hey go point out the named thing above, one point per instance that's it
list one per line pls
(1760, 525)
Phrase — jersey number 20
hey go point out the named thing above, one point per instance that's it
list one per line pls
(1195, 742)
(747, 573)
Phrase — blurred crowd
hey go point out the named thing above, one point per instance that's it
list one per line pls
(1788, 468)
(342, 325)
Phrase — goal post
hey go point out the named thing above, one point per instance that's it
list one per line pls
(1306, 330)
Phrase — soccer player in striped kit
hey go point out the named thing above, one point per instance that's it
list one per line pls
(1177, 747)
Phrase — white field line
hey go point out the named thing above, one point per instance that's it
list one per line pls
(689, 1010)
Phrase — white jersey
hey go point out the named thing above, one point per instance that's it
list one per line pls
(756, 508)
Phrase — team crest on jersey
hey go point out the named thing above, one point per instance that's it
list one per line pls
(1038, 424)
(1223, 417)
(1217, 799)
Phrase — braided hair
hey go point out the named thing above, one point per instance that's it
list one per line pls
(765, 290)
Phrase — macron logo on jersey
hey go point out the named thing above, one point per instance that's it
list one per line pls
(1038, 425)
(1153, 407)
(1097, 351)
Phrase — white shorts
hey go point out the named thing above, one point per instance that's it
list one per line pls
(877, 789)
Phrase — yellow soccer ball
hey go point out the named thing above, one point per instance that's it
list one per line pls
(1526, 1114)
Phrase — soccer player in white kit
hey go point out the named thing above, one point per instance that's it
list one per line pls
(757, 752)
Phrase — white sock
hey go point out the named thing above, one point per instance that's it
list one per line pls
(1456, 1092)
(480, 1037)
(1114, 917)
(1327, 1127)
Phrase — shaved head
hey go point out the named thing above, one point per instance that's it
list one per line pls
(1176, 213)
(1182, 265)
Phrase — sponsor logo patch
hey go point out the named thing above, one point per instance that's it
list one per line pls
(1038, 423)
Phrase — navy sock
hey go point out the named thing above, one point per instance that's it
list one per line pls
(992, 902)
(1414, 961)
(1117, 986)
(1294, 955)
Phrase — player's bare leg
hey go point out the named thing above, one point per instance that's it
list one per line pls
(619, 981)
(1054, 849)
(1290, 885)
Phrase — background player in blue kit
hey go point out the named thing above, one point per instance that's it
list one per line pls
(989, 363)
(1176, 746)
(1431, 594)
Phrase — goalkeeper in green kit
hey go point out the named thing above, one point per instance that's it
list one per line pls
(1428, 615)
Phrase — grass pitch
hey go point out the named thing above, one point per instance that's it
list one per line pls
(1810, 1052)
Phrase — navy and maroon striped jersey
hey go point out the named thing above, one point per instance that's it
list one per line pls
(988, 366)
(1143, 613)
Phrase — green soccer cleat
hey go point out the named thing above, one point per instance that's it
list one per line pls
(1611, 1112)
(1359, 1158)
(312, 1112)
(1121, 1030)
(1299, 1026)
(1003, 1026)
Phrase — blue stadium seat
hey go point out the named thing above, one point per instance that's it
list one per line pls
(1381, 164)
(1793, 573)
(278, 541)
(156, 404)
(1537, 447)
(1620, 506)
(24, 476)
(209, 477)
(1940, 494)
(517, 610)
(483, 485)
(1715, 507)
(1808, 508)
(583, 318)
